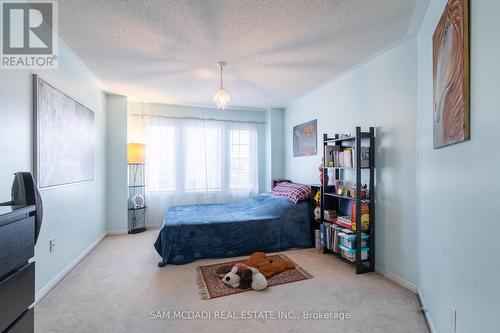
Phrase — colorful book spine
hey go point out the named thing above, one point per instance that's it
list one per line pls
(322, 235)
(348, 158)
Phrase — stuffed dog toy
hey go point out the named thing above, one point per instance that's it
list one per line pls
(253, 272)
(268, 267)
(242, 276)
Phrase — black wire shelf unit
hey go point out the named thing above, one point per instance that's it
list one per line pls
(136, 186)
(331, 200)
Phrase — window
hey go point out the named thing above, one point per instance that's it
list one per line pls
(239, 159)
(203, 159)
(199, 161)
(161, 168)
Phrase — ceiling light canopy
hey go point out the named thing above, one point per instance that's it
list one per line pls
(221, 97)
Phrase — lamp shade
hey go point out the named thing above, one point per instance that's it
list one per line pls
(136, 153)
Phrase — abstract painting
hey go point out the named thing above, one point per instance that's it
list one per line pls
(305, 137)
(64, 137)
(450, 44)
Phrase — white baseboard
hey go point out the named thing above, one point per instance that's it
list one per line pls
(426, 311)
(411, 287)
(397, 279)
(45, 290)
(117, 232)
(125, 231)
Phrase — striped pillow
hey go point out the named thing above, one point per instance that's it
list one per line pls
(294, 192)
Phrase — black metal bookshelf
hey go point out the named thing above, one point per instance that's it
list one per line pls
(330, 199)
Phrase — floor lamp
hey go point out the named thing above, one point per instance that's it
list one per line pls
(136, 188)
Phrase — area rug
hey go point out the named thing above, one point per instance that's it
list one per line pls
(211, 286)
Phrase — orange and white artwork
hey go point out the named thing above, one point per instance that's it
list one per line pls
(451, 117)
(305, 138)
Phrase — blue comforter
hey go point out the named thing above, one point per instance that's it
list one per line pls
(263, 223)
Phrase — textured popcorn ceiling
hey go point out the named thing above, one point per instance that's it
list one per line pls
(277, 50)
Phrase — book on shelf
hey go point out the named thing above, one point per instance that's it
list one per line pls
(341, 158)
(328, 238)
(330, 234)
(336, 240)
(322, 235)
(344, 221)
(365, 216)
(332, 153)
(348, 158)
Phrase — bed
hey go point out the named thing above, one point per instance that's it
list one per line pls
(264, 223)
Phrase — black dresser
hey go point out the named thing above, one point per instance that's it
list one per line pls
(17, 270)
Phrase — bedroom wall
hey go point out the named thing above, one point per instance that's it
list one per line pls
(458, 186)
(116, 161)
(136, 124)
(381, 93)
(73, 214)
(275, 153)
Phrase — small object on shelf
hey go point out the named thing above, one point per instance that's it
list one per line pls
(352, 191)
(341, 190)
(350, 254)
(317, 213)
(321, 173)
(348, 239)
(137, 201)
(365, 157)
(338, 183)
(364, 191)
(330, 215)
(317, 197)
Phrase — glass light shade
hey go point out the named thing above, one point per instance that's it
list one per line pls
(221, 99)
(136, 153)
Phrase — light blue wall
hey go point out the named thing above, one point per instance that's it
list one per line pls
(116, 159)
(458, 197)
(275, 153)
(73, 214)
(380, 93)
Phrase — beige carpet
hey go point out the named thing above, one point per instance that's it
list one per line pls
(118, 286)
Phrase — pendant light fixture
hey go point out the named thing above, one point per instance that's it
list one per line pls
(221, 98)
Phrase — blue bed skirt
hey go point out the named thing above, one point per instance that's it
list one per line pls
(264, 223)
